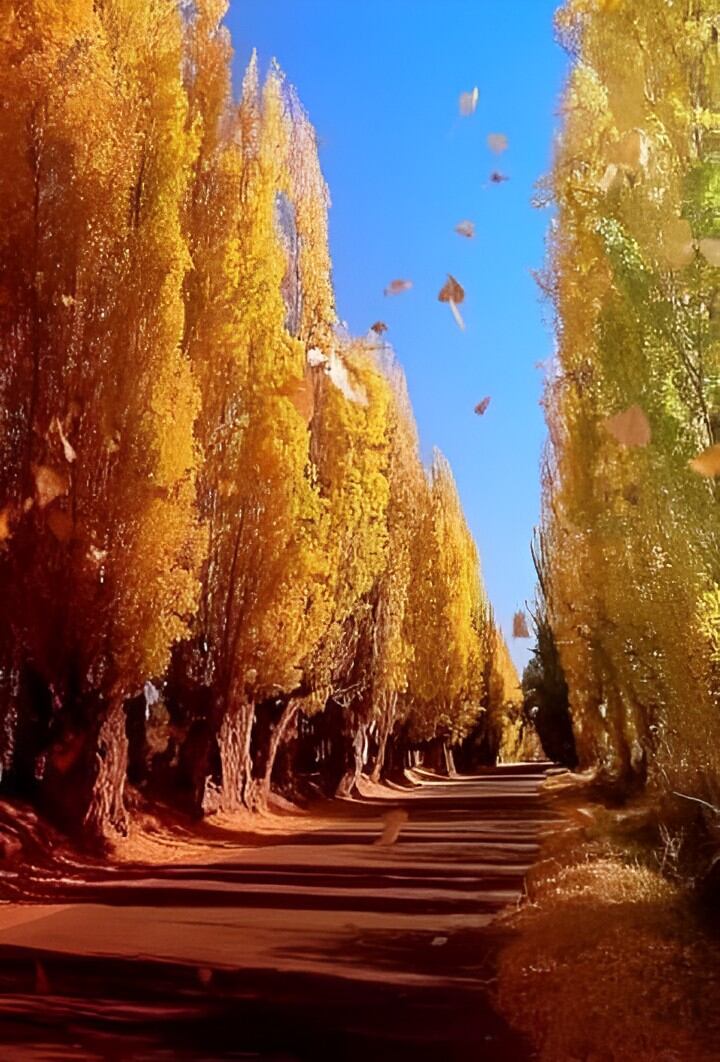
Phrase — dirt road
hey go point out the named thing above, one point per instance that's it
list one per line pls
(318, 944)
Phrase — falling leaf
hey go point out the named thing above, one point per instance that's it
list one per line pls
(677, 240)
(608, 178)
(451, 291)
(465, 228)
(437, 942)
(710, 250)
(629, 428)
(497, 142)
(379, 327)
(707, 463)
(67, 300)
(49, 485)
(520, 626)
(468, 102)
(316, 358)
(97, 555)
(61, 524)
(302, 395)
(394, 821)
(457, 315)
(632, 150)
(339, 375)
(396, 287)
(69, 452)
(482, 406)
(28, 504)
(497, 178)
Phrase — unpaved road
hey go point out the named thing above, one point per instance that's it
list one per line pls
(319, 944)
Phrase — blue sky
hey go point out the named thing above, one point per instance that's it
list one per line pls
(380, 80)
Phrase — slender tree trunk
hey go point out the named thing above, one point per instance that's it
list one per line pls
(386, 725)
(350, 779)
(262, 792)
(106, 814)
(234, 744)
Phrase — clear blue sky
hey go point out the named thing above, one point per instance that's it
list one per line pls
(380, 80)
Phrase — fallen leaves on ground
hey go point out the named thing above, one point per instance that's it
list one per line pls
(629, 428)
(707, 463)
(397, 287)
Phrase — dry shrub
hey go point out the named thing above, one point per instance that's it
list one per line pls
(608, 965)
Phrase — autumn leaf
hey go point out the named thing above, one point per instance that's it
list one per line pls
(61, 524)
(609, 177)
(520, 626)
(68, 450)
(5, 529)
(631, 151)
(707, 463)
(710, 250)
(451, 291)
(49, 485)
(468, 102)
(481, 407)
(498, 178)
(379, 327)
(316, 358)
(497, 142)
(677, 242)
(465, 228)
(396, 287)
(394, 821)
(302, 395)
(629, 428)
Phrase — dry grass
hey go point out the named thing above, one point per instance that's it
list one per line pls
(608, 962)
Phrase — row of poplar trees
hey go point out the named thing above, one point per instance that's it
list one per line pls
(631, 533)
(217, 539)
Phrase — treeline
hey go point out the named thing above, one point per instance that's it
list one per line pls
(222, 563)
(630, 546)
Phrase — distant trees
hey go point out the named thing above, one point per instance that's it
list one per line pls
(631, 530)
(212, 506)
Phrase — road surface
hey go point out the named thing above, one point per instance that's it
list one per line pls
(318, 944)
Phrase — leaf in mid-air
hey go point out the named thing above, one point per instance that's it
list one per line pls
(396, 287)
(707, 463)
(468, 102)
(481, 407)
(497, 142)
(629, 428)
(465, 228)
(451, 291)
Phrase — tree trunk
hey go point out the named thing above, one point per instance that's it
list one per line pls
(106, 814)
(350, 779)
(262, 791)
(386, 725)
(236, 764)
